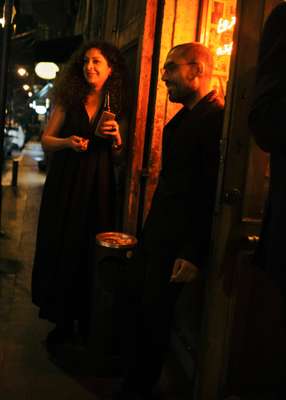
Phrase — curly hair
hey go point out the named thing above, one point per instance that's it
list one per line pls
(72, 88)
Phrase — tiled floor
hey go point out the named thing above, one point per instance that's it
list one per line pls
(26, 371)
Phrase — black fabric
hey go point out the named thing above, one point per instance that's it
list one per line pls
(182, 206)
(77, 203)
(266, 118)
(178, 225)
(267, 122)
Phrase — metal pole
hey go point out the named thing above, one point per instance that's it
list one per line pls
(5, 45)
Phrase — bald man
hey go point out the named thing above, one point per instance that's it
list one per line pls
(174, 245)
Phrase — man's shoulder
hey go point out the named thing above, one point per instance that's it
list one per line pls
(216, 109)
(274, 28)
(214, 101)
(211, 110)
(211, 120)
(279, 10)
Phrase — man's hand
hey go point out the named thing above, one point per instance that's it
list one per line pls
(184, 271)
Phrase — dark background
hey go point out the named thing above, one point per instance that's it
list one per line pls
(43, 31)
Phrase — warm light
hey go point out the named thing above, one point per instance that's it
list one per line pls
(46, 70)
(225, 24)
(22, 71)
(2, 22)
(30, 94)
(225, 50)
(26, 87)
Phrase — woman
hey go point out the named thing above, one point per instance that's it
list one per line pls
(78, 196)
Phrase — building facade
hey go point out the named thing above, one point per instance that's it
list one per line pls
(221, 325)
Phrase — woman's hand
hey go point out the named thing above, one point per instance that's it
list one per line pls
(111, 129)
(51, 140)
(77, 143)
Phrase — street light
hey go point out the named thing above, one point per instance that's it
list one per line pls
(22, 71)
(40, 109)
(46, 70)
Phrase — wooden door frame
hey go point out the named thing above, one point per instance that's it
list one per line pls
(145, 54)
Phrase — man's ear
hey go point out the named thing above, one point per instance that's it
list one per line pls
(197, 70)
(200, 68)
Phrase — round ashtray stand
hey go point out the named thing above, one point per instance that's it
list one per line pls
(112, 252)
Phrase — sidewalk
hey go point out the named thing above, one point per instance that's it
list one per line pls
(26, 372)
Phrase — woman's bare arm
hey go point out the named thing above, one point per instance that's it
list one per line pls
(50, 139)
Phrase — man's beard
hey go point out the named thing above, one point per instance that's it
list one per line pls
(181, 96)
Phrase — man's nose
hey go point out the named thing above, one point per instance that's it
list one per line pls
(164, 74)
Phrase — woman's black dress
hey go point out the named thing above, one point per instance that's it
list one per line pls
(77, 203)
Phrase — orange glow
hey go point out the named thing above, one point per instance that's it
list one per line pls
(225, 50)
(218, 23)
(225, 24)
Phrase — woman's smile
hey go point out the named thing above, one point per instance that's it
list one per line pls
(95, 68)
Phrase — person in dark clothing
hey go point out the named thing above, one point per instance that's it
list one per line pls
(267, 123)
(78, 195)
(174, 244)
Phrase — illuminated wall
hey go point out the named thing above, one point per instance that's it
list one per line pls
(182, 19)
